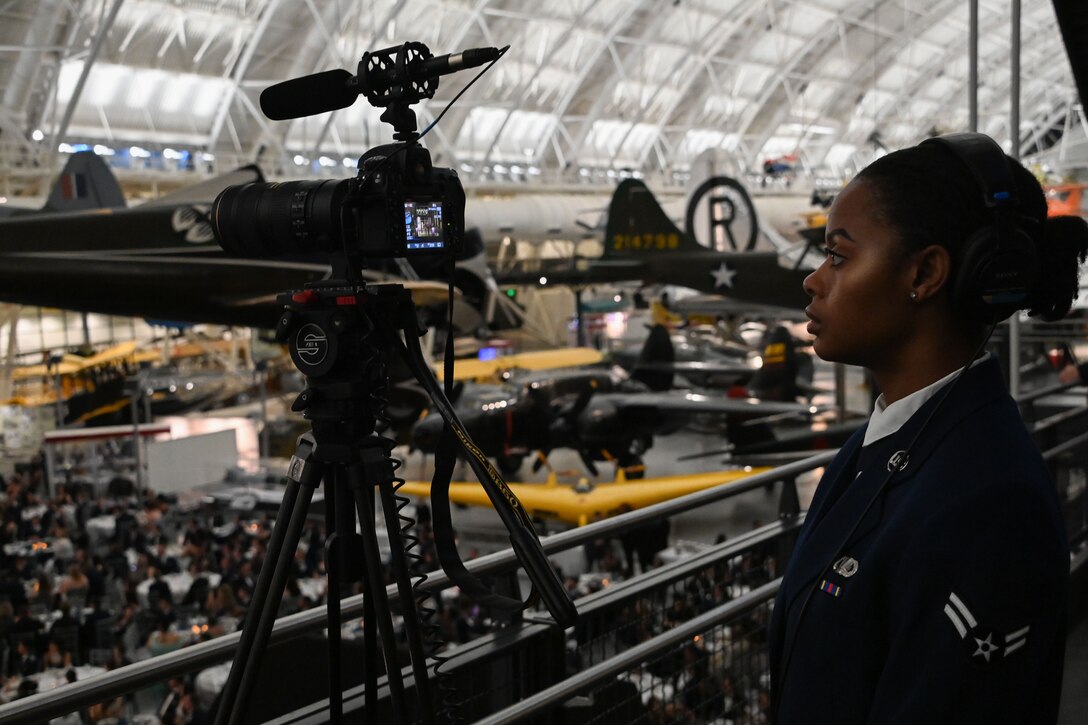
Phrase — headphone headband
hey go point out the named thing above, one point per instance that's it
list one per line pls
(998, 263)
(986, 161)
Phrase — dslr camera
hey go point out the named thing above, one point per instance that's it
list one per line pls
(398, 205)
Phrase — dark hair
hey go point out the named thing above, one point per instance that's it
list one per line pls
(930, 197)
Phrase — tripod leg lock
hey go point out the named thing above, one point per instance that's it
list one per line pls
(303, 469)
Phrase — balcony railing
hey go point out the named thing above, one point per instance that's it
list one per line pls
(605, 648)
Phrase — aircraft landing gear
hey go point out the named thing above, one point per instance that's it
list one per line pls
(510, 463)
(632, 466)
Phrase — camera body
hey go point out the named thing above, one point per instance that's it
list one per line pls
(402, 206)
(398, 205)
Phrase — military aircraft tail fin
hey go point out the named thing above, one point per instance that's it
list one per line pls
(85, 183)
(777, 378)
(638, 226)
(657, 353)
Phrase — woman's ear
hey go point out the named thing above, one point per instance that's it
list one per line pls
(932, 267)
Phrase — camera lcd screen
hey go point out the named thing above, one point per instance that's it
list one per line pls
(423, 225)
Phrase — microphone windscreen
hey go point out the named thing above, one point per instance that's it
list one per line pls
(309, 95)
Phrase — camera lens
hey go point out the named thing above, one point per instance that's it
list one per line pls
(276, 220)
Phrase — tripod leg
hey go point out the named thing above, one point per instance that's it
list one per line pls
(370, 659)
(333, 573)
(375, 590)
(303, 476)
(253, 614)
(342, 569)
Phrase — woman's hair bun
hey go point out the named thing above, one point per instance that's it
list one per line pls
(1062, 248)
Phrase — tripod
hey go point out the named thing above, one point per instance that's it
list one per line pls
(336, 334)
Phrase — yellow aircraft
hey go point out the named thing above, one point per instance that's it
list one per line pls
(73, 375)
(580, 503)
(482, 370)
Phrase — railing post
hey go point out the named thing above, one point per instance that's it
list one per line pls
(789, 504)
(789, 508)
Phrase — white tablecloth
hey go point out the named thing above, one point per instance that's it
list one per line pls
(209, 682)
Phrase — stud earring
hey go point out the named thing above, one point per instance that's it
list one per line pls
(913, 295)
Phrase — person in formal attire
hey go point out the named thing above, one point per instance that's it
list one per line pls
(928, 582)
(25, 660)
(1074, 373)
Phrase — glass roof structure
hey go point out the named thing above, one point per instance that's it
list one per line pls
(588, 87)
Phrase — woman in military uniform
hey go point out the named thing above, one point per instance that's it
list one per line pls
(928, 583)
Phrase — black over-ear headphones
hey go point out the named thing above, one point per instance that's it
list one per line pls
(998, 263)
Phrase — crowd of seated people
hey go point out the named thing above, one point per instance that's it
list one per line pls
(90, 583)
(146, 580)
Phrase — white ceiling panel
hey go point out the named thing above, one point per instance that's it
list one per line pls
(643, 84)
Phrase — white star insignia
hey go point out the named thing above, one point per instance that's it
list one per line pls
(985, 647)
(723, 276)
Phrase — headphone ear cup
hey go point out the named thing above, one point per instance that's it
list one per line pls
(995, 275)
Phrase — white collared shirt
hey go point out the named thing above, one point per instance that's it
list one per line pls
(888, 419)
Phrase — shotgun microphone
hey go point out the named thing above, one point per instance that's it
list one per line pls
(309, 95)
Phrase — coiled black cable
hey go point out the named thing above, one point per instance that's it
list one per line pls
(433, 644)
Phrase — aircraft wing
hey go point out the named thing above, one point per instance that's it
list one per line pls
(696, 403)
(206, 288)
(725, 367)
(580, 504)
(471, 369)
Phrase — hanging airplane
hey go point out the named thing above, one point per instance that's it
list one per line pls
(642, 243)
(159, 260)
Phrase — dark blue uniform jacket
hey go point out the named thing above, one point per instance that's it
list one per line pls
(948, 602)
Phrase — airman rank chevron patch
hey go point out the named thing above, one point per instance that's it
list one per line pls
(982, 644)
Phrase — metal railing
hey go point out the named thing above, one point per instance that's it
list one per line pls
(1063, 455)
(81, 694)
(632, 658)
